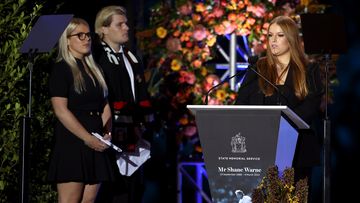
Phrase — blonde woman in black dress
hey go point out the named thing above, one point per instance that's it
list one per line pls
(79, 99)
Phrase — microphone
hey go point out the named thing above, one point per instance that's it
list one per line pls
(252, 61)
(220, 83)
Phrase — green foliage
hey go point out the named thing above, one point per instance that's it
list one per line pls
(16, 20)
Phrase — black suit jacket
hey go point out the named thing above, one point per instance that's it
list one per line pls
(121, 98)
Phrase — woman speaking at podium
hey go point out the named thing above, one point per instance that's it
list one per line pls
(285, 77)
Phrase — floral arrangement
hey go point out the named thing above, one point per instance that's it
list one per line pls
(280, 189)
(180, 41)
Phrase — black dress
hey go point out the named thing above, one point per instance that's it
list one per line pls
(72, 160)
(308, 148)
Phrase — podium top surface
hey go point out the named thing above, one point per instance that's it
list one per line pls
(284, 109)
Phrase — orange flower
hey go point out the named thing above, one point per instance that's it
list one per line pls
(198, 149)
(232, 16)
(196, 17)
(197, 63)
(161, 32)
(241, 5)
(184, 120)
(200, 7)
(219, 29)
(176, 33)
(232, 96)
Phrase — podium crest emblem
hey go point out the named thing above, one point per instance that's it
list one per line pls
(238, 144)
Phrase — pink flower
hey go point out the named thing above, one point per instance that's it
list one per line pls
(190, 78)
(213, 101)
(182, 76)
(199, 32)
(190, 130)
(229, 28)
(273, 1)
(250, 21)
(197, 63)
(186, 8)
(218, 12)
(210, 81)
(173, 44)
(187, 77)
(258, 10)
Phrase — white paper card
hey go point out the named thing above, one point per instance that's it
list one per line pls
(129, 162)
(107, 142)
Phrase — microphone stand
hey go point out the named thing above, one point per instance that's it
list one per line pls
(268, 81)
(326, 144)
(25, 136)
(42, 38)
(220, 83)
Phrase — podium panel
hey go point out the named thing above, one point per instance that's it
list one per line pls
(239, 144)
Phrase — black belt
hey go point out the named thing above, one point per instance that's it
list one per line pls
(87, 112)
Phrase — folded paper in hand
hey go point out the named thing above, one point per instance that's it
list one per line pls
(129, 162)
(107, 142)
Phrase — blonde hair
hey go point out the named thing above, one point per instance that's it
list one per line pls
(297, 62)
(65, 54)
(104, 17)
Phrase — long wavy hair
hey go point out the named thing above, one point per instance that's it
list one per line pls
(65, 54)
(297, 62)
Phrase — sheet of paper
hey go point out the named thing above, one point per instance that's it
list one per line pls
(107, 142)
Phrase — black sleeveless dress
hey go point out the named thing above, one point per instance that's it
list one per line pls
(72, 160)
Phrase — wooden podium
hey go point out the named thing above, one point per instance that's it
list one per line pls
(240, 142)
